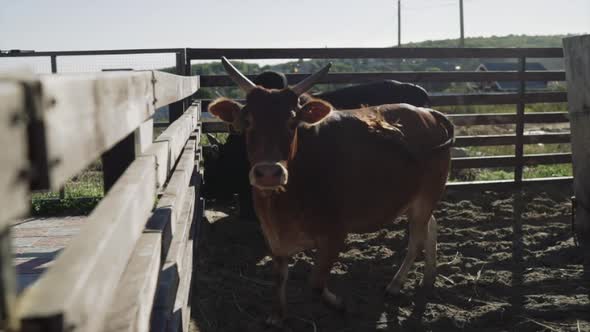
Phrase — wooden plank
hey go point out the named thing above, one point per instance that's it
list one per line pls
(144, 136)
(175, 191)
(175, 266)
(93, 52)
(95, 103)
(184, 294)
(183, 226)
(178, 133)
(8, 283)
(214, 125)
(404, 76)
(577, 66)
(168, 208)
(132, 306)
(520, 121)
(14, 161)
(506, 118)
(76, 291)
(377, 53)
(160, 151)
(508, 184)
(171, 88)
(477, 99)
(511, 161)
(14, 185)
(492, 140)
(498, 98)
(180, 318)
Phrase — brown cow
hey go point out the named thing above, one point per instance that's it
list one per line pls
(318, 175)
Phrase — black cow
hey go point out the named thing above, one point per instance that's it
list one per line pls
(376, 93)
(227, 174)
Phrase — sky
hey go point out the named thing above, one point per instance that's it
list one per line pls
(45, 25)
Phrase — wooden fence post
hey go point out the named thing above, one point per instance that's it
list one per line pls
(7, 279)
(176, 109)
(519, 144)
(17, 109)
(577, 66)
(62, 190)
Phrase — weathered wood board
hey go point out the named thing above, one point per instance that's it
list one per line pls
(178, 264)
(577, 66)
(178, 133)
(144, 137)
(14, 161)
(176, 189)
(132, 306)
(168, 146)
(105, 107)
(77, 290)
(15, 171)
(171, 88)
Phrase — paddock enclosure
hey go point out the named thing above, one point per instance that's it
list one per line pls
(153, 256)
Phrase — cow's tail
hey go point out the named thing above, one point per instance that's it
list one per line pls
(449, 127)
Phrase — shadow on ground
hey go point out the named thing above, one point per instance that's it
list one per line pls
(495, 273)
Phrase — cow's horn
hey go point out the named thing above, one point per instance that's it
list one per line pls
(303, 86)
(242, 81)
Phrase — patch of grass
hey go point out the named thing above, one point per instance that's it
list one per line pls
(86, 184)
(67, 206)
(489, 175)
(529, 172)
(82, 194)
(221, 137)
(545, 171)
(505, 150)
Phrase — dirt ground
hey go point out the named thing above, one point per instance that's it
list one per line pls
(495, 274)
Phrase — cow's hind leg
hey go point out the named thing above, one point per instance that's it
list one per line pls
(326, 254)
(420, 225)
(280, 274)
(430, 256)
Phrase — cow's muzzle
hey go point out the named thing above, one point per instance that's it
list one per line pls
(268, 176)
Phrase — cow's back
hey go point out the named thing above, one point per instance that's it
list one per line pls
(376, 93)
(350, 178)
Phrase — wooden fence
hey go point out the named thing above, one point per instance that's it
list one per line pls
(519, 98)
(130, 266)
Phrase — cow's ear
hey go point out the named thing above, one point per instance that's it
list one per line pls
(314, 111)
(225, 109)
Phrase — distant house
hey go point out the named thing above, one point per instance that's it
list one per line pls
(509, 85)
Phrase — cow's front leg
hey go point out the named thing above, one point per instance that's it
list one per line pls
(327, 253)
(279, 303)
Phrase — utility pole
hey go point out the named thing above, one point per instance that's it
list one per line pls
(462, 41)
(399, 23)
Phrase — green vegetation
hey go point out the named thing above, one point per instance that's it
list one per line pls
(82, 194)
(496, 41)
(84, 191)
(385, 65)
